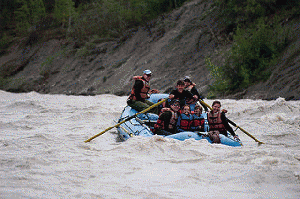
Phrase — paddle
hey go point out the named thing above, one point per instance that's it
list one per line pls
(127, 119)
(231, 122)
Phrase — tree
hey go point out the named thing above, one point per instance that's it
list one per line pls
(28, 14)
(64, 10)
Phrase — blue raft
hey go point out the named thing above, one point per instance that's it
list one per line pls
(141, 126)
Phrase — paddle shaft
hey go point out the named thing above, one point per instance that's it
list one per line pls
(127, 119)
(231, 122)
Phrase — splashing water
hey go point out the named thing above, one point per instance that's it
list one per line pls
(43, 154)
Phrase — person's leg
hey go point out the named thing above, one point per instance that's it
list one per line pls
(153, 110)
(137, 105)
(140, 106)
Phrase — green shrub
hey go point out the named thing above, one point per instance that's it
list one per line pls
(4, 82)
(83, 52)
(27, 14)
(111, 18)
(231, 13)
(220, 83)
(251, 57)
(5, 41)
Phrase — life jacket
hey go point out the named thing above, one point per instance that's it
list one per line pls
(197, 120)
(160, 124)
(185, 121)
(215, 122)
(144, 90)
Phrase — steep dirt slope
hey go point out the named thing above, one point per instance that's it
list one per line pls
(174, 46)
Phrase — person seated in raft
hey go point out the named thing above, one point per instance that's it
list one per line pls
(178, 93)
(191, 87)
(181, 94)
(218, 123)
(197, 123)
(141, 92)
(166, 123)
(185, 119)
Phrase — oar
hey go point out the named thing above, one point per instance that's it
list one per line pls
(259, 142)
(127, 119)
(231, 122)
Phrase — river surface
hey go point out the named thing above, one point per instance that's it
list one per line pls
(43, 153)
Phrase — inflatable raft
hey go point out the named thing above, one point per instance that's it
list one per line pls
(141, 126)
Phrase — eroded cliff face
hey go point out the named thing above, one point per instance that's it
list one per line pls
(173, 46)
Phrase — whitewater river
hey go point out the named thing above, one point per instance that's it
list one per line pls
(43, 154)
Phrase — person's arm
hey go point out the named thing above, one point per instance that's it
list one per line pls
(227, 126)
(172, 94)
(188, 96)
(195, 92)
(138, 85)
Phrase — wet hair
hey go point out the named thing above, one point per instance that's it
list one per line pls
(173, 101)
(216, 102)
(198, 107)
(187, 80)
(180, 82)
(186, 105)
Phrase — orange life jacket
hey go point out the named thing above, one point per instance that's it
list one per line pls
(215, 122)
(144, 90)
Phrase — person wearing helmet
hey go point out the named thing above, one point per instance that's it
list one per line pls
(141, 92)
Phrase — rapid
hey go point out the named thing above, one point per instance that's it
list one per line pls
(43, 153)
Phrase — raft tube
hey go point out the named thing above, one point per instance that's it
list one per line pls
(141, 126)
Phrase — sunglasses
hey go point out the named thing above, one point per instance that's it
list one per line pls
(148, 75)
(176, 105)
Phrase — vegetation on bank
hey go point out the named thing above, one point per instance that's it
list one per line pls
(77, 20)
(83, 22)
(258, 34)
(257, 30)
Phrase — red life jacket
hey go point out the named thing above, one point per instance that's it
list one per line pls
(144, 90)
(198, 122)
(215, 122)
(185, 122)
(160, 124)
